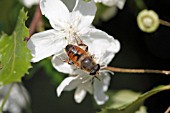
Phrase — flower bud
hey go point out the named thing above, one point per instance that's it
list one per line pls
(148, 21)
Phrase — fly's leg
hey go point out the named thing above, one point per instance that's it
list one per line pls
(97, 78)
(92, 56)
(67, 61)
(80, 43)
(70, 62)
(86, 47)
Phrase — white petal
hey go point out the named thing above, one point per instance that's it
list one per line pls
(69, 4)
(67, 82)
(111, 51)
(121, 3)
(29, 3)
(86, 12)
(55, 11)
(45, 44)
(79, 94)
(98, 1)
(76, 83)
(100, 87)
(62, 66)
(118, 3)
(86, 82)
(106, 42)
(110, 2)
(19, 95)
(83, 81)
(102, 45)
(105, 76)
(17, 100)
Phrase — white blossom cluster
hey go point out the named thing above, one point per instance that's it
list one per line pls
(17, 100)
(29, 3)
(67, 24)
(117, 3)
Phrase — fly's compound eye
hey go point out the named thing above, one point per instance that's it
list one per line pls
(95, 69)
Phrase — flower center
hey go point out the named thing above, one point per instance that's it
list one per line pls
(71, 33)
(147, 21)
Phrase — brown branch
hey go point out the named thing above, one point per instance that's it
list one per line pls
(168, 110)
(123, 70)
(34, 22)
(165, 23)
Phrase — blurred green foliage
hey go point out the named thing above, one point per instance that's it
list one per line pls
(54, 75)
(9, 14)
(129, 102)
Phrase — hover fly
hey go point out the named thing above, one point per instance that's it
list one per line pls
(82, 59)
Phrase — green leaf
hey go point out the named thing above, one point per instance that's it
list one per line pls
(121, 97)
(15, 57)
(133, 106)
(142, 109)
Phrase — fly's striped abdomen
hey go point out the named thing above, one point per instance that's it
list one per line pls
(74, 52)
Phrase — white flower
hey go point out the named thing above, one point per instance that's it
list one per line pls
(86, 83)
(110, 3)
(29, 3)
(67, 25)
(104, 47)
(70, 23)
(112, 9)
(17, 100)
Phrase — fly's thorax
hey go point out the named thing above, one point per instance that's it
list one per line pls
(90, 65)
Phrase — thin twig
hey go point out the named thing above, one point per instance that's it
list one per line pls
(123, 70)
(165, 23)
(6, 97)
(0, 66)
(168, 110)
(34, 22)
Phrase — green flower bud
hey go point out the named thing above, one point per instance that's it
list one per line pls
(148, 21)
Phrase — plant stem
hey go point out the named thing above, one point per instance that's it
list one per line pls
(168, 110)
(140, 4)
(37, 17)
(34, 22)
(123, 70)
(6, 97)
(165, 23)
